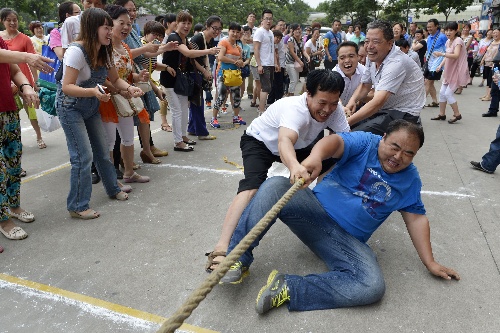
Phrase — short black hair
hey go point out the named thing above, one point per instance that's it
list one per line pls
(348, 43)
(402, 43)
(435, 21)
(384, 26)
(212, 19)
(410, 128)
(451, 26)
(115, 11)
(278, 33)
(266, 11)
(324, 80)
(198, 27)
(234, 26)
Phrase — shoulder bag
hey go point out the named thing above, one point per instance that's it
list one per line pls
(126, 107)
(184, 84)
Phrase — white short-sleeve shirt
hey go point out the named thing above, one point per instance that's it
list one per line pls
(351, 84)
(293, 113)
(73, 57)
(70, 30)
(266, 39)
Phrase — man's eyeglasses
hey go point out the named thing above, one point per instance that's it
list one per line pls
(216, 28)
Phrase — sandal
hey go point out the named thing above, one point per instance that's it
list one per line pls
(91, 214)
(146, 159)
(189, 142)
(41, 144)
(122, 196)
(439, 117)
(210, 261)
(135, 178)
(166, 127)
(186, 148)
(207, 137)
(125, 188)
(458, 91)
(253, 104)
(433, 105)
(23, 173)
(15, 233)
(454, 119)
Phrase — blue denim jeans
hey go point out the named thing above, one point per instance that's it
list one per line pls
(86, 141)
(492, 158)
(354, 276)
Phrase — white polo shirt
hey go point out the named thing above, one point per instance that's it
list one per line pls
(351, 84)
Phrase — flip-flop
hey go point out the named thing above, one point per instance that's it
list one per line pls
(190, 142)
(166, 128)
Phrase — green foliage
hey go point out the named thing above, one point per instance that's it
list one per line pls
(446, 6)
(357, 11)
(233, 10)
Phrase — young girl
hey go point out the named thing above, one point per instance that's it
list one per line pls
(456, 73)
(87, 63)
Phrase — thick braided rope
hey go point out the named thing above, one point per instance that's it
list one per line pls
(176, 320)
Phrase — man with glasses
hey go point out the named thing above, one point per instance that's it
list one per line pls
(263, 45)
(397, 79)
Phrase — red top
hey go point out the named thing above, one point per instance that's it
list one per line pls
(7, 103)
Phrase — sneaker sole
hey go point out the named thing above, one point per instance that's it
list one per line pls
(244, 274)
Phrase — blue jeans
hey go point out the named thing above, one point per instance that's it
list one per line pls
(354, 276)
(86, 141)
(197, 124)
(492, 158)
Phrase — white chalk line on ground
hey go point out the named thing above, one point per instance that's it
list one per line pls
(118, 318)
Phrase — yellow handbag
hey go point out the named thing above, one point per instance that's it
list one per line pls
(232, 77)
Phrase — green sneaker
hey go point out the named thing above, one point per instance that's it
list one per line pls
(275, 293)
(235, 274)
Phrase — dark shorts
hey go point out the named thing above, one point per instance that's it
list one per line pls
(330, 64)
(266, 79)
(378, 123)
(257, 160)
(433, 75)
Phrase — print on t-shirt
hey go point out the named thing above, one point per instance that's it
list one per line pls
(374, 190)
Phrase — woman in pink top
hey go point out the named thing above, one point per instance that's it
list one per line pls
(17, 41)
(455, 72)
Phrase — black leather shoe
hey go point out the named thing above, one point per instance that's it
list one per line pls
(478, 166)
(119, 174)
(95, 178)
(488, 114)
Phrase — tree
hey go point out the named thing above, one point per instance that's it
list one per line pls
(446, 7)
(357, 11)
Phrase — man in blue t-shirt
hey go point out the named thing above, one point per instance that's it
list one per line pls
(436, 42)
(373, 178)
(331, 40)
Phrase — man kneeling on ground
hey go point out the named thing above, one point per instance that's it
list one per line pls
(373, 178)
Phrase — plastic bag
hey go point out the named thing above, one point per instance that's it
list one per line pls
(47, 122)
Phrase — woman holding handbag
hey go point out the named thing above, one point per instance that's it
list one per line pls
(178, 68)
(124, 65)
(230, 59)
(294, 63)
(87, 63)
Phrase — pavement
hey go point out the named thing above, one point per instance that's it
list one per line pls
(138, 262)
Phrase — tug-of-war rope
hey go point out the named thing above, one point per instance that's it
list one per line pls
(199, 294)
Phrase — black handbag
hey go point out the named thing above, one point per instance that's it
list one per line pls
(184, 84)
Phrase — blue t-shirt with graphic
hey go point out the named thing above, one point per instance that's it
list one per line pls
(359, 195)
(440, 46)
(334, 39)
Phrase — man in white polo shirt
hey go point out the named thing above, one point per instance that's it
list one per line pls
(397, 79)
(350, 69)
